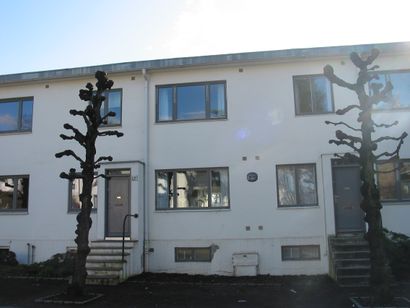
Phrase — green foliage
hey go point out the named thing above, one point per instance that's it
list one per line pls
(397, 247)
(7, 257)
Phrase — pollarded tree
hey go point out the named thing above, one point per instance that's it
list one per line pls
(93, 120)
(365, 154)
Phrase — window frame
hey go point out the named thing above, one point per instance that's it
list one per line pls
(397, 186)
(70, 208)
(19, 101)
(192, 249)
(296, 187)
(14, 205)
(384, 72)
(104, 107)
(174, 179)
(294, 79)
(300, 247)
(207, 110)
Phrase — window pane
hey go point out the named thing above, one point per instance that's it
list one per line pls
(405, 180)
(114, 104)
(217, 100)
(192, 188)
(400, 95)
(165, 104)
(306, 185)
(219, 179)
(202, 254)
(76, 188)
(309, 252)
(322, 101)
(27, 115)
(303, 96)
(286, 185)
(9, 113)
(165, 190)
(22, 193)
(387, 181)
(191, 102)
(6, 193)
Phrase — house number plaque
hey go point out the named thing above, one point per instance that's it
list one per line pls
(252, 177)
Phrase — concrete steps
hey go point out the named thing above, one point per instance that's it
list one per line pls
(350, 260)
(104, 262)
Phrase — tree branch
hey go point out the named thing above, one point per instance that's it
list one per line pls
(329, 73)
(109, 158)
(394, 154)
(109, 114)
(347, 109)
(111, 133)
(348, 157)
(69, 153)
(387, 125)
(342, 142)
(343, 123)
(404, 135)
(102, 176)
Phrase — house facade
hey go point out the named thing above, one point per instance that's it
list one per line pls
(224, 158)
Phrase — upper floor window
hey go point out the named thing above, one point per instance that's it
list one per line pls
(16, 115)
(399, 97)
(296, 185)
(75, 188)
(192, 188)
(194, 101)
(394, 180)
(313, 95)
(14, 193)
(112, 102)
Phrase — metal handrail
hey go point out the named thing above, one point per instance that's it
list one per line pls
(123, 233)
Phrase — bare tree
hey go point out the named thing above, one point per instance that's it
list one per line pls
(365, 148)
(93, 120)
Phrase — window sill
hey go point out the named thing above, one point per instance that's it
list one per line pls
(314, 114)
(15, 132)
(316, 206)
(190, 121)
(193, 210)
(11, 212)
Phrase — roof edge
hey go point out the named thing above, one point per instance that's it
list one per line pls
(197, 61)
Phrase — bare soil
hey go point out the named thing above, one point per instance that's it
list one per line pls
(172, 290)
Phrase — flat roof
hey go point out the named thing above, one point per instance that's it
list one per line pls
(223, 59)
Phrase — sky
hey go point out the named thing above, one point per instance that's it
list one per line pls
(38, 35)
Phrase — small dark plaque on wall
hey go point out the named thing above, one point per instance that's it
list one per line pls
(252, 177)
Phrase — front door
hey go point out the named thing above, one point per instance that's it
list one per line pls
(118, 202)
(346, 189)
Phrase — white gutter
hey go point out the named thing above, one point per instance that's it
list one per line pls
(146, 191)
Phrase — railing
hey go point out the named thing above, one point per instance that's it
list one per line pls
(123, 233)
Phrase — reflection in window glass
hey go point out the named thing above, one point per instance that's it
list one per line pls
(165, 108)
(191, 102)
(301, 252)
(9, 113)
(394, 180)
(76, 188)
(193, 254)
(400, 95)
(27, 115)
(313, 95)
(217, 99)
(14, 193)
(296, 185)
(195, 188)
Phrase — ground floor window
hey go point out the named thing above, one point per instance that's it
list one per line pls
(75, 189)
(192, 188)
(300, 252)
(394, 180)
(193, 254)
(14, 193)
(296, 185)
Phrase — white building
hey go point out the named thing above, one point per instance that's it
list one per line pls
(222, 155)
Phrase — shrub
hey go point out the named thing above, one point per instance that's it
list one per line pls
(7, 257)
(398, 252)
